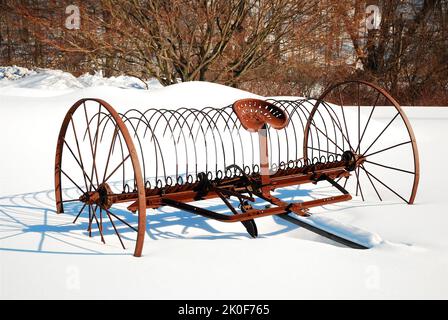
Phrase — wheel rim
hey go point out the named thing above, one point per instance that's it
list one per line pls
(364, 119)
(96, 157)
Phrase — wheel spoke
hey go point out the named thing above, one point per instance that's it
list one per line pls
(381, 133)
(359, 122)
(80, 165)
(89, 228)
(79, 149)
(367, 123)
(345, 183)
(118, 167)
(312, 122)
(115, 228)
(343, 116)
(386, 149)
(79, 213)
(371, 182)
(358, 185)
(80, 189)
(91, 147)
(121, 220)
(72, 200)
(112, 144)
(96, 142)
(339, 127)
(389, 167)
(100, 229)
(389, 188)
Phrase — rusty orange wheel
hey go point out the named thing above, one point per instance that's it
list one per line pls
(359, 120)
(95, 161)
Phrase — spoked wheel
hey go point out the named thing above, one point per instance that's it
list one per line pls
(359, 120)
(95, 160)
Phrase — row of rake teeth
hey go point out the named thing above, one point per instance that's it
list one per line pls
(293, 167)
(211, 116)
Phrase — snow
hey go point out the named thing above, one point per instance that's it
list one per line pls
(47, 82)
(43, 255)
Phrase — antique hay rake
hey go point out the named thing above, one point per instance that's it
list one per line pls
(354, 137)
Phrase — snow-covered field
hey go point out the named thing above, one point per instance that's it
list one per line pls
(44, 255)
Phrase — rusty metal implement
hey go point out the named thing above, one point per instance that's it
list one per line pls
(355, 139)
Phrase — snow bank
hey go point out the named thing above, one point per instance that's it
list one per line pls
(57, 80)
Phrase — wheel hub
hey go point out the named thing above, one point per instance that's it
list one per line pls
(352, 160)
(99, 197)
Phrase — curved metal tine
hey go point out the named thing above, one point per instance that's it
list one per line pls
(153, 128)
(338, 125)
(286, 110)
(333, 122)
(180, 115)
(218, 113)
(210, 114)
(307, 114)
(218, 116)
(278, 139)
(131, 125)
(308, 117)
(195, 120)
(157, 147)
(209, 121)
(325, 134)
(161, 114)
(142, 154)
(278, 146)
(328, 139)
(389, 188)
(296, 105)
(229, 112)
(268, 132)
(176, 114)
(237, 126)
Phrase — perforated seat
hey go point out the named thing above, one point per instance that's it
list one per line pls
(254, 114)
